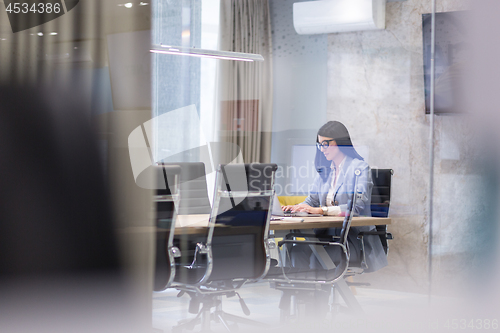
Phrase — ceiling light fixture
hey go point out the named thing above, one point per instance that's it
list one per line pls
(53, 33)
(201, 53)
(40, 34)
(143, 4)
(128, 5)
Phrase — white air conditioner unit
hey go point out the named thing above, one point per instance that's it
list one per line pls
(328, 16)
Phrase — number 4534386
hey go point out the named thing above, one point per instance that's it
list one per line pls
(479, 324)
(36, 8)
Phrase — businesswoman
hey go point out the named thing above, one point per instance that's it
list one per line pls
(335, 162)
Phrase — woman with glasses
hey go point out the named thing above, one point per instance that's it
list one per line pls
(336, 160)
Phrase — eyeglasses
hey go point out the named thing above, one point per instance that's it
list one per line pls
(325, 144)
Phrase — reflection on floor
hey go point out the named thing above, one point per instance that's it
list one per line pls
(384, 310)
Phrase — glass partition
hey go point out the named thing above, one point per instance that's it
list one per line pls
(76, 229)
(402, 94)
(116, 87)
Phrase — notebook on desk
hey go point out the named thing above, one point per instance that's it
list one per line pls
(279, 213)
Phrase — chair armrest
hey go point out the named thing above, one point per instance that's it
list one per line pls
(379, 233)
(300, 234)
(287, 241)
(363, 233)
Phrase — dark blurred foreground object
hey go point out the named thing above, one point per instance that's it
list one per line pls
(59, 260)
(54, 208)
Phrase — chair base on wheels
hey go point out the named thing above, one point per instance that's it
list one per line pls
(310, 301)
(205, 315)
(303, 302)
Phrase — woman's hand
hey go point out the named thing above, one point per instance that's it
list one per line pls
(303, 208)
(308, 209)
(287, 208)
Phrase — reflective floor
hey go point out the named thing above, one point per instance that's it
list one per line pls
(384, 311)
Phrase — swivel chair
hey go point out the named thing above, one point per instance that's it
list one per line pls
(302, 282)
(235, 250)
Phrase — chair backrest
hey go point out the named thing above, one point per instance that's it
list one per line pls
(166, 178)
(239, 223)
(381, 192)
(193, 188)
(381, 198)
(253, 177)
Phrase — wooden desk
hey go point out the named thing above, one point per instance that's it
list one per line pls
(196, 224)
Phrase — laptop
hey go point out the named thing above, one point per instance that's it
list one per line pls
(278, 212)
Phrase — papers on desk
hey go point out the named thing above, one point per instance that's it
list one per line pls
(287, 219)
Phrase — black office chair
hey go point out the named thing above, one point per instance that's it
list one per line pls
(304, 283)
(193, 188)
(235, 250)
(60, 266)
(166, 199)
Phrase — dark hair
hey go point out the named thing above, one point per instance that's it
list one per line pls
(337, 131)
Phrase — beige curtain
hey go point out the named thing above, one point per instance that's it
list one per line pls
(245, 88)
